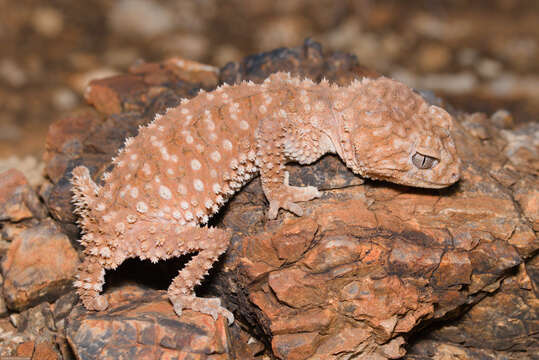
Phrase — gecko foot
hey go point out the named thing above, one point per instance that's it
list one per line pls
(287, 198)
(209, 306)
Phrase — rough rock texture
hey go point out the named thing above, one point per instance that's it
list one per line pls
(38, 266)
(33, 333)
(18, 201)
(143, 324)
(368, 267)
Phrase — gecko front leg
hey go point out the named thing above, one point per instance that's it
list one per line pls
(271, 160)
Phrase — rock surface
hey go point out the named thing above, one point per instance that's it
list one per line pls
(367, 268)
(143, 324)
(18, 201)
(39, 266)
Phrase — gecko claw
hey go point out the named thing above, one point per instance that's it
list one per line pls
(208, 306)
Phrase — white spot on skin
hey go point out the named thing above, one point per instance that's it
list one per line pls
(134, 192)
(215, 156)
(188, 216)
(262, 109)
(244, 125)
(227, 145)
(164, 192)
(189, 139)
(133, 157)
(176, 214)
(142, 207)
(213, 173)
(210, 124)
(198, 184)
(195, 164)
(146, 169)
(100, 207)
(184, 205)
(185, 111)
(120, 228)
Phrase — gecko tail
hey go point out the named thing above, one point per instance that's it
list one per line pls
(85, 190)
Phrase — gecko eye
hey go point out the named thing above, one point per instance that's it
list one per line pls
(423, 161)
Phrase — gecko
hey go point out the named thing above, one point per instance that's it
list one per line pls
(187, 163)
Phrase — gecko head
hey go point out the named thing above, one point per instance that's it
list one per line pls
(402, 139)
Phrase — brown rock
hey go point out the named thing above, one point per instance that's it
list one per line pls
(18, 201)
(365, 266)
(39, 266)
(431, 349)
(45, 351)
(502, 325)
(142, 323)
(527, 196)
(26, 349)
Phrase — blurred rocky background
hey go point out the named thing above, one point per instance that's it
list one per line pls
(481, 55)
(469, 267)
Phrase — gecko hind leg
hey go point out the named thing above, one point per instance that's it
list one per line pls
(210, 244)
(91, 277)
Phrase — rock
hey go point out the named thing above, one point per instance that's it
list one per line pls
(13, 73)
(47, 21)
(45, 351)
(507, 320)
(18, 201)
(39, 266)
(143, 324)
(363, 269)
(502, 325)
(28, 165)
(3, 306)
(140, 18)
(433, 57)
(36, 335)
(26, 349)
(431, 349)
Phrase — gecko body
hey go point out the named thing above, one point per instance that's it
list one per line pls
(182, 168)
